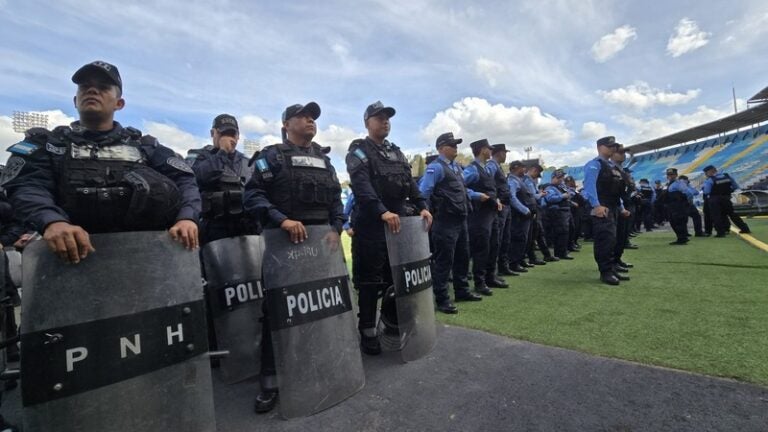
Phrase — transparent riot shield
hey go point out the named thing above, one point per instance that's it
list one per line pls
(235, 296)
(309, 303)
(411, 274)
(117, 342)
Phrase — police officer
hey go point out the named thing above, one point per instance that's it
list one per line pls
(536, 233)
(557, 201)
(277, 196)
(677, 206)
(719, 187)
(522, 208)
(96, 176)
(498, 244)
(623, 222)
(692, 211)
(478, 177)
(603, 185)
(577, 203)
(222, 171)
(647, 200)
(380, 178)
(442, 186)
(659, 207)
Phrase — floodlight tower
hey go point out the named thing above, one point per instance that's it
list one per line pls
(528, 152)
(250, 146)
(23, 120)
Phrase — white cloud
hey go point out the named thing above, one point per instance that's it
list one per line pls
(474, 118)
(572, 158)
(338, 138)
(612, 43)
(8, 137)
(172, 136)
(643, 129)
(741, 35)
(688, 37)
(640, 95)
(254, 123)
(592, 130)
(489, 70)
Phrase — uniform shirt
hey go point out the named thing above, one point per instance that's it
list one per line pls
(348, 207)
(515, 184)
(531, 184)
(434, 174)
(471, 175)
(685, 188)
(553, 195)
(710, 182)
(255, 199)
(591, 172)
(34, 187)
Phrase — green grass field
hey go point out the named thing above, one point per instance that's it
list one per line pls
(701, 307)
(759, 228)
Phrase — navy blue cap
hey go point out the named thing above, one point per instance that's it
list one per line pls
(377, 107)
(480, 144)
(608, 141)
(100, 69)
(292, 111)
(447, 139)
(225, 122)
(708, 167)
(498, 148)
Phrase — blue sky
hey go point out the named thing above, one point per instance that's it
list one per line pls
(554, 75)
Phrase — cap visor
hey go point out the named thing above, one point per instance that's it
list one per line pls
(90, 70)
(312, 108)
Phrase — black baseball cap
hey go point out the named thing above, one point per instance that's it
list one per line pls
(671, 171)
(225, 122)
(536, 165)
(708, 168)
(292, 111)
(377, 107)
(497, 148)
(101, 69)
(557, 173)
(515, 164)
(447, 139)
(608, 141)
(480, 144)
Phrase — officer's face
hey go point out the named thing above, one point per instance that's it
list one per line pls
(449, 151)
(96, 98)
(501, 157)
(378, 126)
(519, 171)
(226, 139)
(302, 125)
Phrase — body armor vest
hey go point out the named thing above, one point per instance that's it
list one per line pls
(390, 172)
(721, 185)
(223, 199)
(524, 195)
(484, 184)
(502, 187)
(565, 203)
(305, 187)
(104, 185)
(646, 192)
(610, 184)
(450, 195)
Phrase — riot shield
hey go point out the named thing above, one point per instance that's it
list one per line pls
(309, 304)
(235, 296)
(411, 274)
(117, 342)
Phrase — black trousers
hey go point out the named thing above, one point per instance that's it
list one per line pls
(505, 230)
(708, 225)
(575, 230)
(451, 242)
(519, 239)
(604, 234)
(537, 235)
(695, 216)
(722, 209)
(371, 271)
(646, 213)
(480, 224)
(622, 236)
(678, 219)
(556, 227)
(494, 247)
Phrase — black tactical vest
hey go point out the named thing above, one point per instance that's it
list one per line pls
(104, 184)
(610, 184)
(484, 184)
(502, 187)
(305, 187)
(524, 195)
(223, 199)
(646, 191)
(721, 185)
(390, 171)
(450, 195)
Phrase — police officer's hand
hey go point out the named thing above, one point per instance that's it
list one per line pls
(499, 206)
(528, 215)
(625, 213)
(296, 230)
(185, 232)
(351, 232)
(227, 144)
(392, 220)
(484, 197)
(70, 242)
(575, 205)
(427, 216)
(601, 211)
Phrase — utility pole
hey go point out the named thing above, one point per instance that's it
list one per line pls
(735, 110)
(528, 152)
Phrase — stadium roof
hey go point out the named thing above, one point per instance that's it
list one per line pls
(761, 96)
(748, 117)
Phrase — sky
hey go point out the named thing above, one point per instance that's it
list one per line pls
(550, 75)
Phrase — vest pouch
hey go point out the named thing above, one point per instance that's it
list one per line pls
(155, 200)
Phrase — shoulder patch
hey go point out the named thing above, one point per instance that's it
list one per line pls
(430, 170)
(56, 149)
(179, 164)
(12, 169)
(360, 154)
(23, 148)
